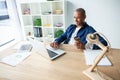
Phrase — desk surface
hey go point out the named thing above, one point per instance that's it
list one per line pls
(68, 67)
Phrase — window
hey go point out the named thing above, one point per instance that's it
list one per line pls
(3, 10)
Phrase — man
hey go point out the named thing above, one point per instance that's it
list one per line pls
(80, 30)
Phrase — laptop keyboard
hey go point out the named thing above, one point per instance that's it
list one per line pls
(51, 53)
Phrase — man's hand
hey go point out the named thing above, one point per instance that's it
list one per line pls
(79, 45)
(54, 45)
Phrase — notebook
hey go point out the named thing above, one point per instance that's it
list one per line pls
(15, 58)
(22, 53)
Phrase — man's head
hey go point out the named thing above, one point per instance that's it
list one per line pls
(79, 16)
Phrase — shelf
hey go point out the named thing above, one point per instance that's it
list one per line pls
(46, 21)
(48, 32)
(42, 19)
(54, 0)
(58, 21)
(57, 8)
(46, 15)
(47, 27)
(27, 26)
(46, 8)
(28, 31)
(35, 8)
(27, 20)
(57, 15)
(25, 9)
(26, 15)
(59, 27)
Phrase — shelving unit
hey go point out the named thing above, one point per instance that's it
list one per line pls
(42, 19)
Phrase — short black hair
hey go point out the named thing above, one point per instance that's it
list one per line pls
(81, 10)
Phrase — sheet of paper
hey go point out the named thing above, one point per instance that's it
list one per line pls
(91, 55)
(17, 46)
(15, 58)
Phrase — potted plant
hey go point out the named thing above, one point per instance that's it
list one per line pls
(37, 22)
(58, 33)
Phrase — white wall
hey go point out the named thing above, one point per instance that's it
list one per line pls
(11, 29)
(103, 15)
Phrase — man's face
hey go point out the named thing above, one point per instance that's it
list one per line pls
(79, 18)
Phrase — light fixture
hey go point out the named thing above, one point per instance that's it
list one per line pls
(91, 72)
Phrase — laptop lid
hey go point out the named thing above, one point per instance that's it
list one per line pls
(45, 51)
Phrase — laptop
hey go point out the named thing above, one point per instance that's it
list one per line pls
(46, 51)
